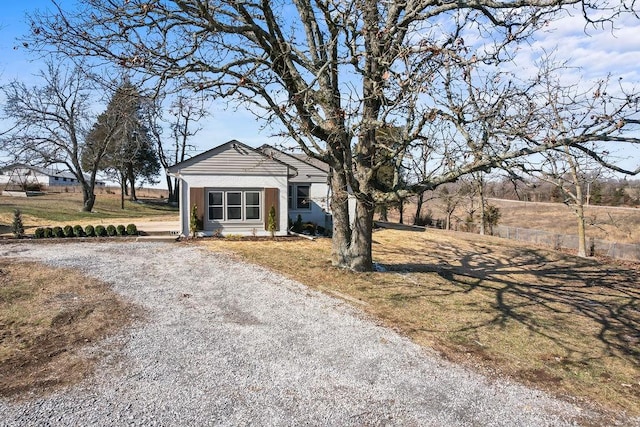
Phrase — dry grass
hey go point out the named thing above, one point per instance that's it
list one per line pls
(47, 316)
(606, 223)
(59, 209)
(620, 225)
(568, 325)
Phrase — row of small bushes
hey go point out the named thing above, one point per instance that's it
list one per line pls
(88, 231)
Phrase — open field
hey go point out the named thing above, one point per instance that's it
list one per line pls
(621, 225)
(62, 209)
(614, 224)
(47, 316)
(567, 325)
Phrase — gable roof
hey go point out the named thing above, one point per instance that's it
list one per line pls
(312, 161)
(41, 171)
(309, 169)
(252, 161)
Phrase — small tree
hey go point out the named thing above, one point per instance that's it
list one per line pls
(271, 221)
(17, 227)
(193, 223)
(492, 215)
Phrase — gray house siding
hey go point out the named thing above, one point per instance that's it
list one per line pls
(312, 180)
(232, 158)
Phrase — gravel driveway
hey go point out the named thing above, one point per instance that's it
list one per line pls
(227, 343)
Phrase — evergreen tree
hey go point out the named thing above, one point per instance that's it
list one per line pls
(130, 156)
(17, 227)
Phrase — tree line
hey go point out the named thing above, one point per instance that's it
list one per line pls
(54, 123)
(598, 191)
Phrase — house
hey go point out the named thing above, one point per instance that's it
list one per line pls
(308, 191)
(22, 177)
(233, 187)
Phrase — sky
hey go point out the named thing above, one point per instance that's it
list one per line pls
(597, 53)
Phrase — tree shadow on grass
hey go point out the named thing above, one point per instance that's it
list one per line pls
(534, 288)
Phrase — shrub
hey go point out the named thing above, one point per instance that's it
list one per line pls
(111, 230)
(309, 228)
(424, 219)
(68, 231)
(193, 221)
(132, 230)
(90, 231)
(297, 226)
(271, 221)
(58, 232)
(31, 186)
(39, 233)
(78, 231)
(492, 215)
(100, 231)
(48, 232)
(17, 227)
(121, 230)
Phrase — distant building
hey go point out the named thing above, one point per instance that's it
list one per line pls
(21, 177)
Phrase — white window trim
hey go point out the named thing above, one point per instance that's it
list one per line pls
(243, 198)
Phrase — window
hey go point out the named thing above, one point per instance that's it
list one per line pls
(298, 197)
(216, 208)
(234, 205)
(302, 197)
(252, 205)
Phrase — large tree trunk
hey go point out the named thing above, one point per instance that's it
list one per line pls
(360, 249)
(341, 239)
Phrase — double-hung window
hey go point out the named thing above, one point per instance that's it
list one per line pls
(234, 205)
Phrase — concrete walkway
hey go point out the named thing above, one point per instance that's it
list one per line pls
(159, 227)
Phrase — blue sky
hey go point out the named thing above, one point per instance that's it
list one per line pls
(16, 63)
(597, 53)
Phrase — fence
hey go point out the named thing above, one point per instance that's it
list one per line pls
(623, 251)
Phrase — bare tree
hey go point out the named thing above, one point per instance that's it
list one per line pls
(331, 73)
(450, 200)
(185, 112)
(569, 117)
(50, 123)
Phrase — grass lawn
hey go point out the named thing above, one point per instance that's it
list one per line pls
(46, 316)
(54, 209)
(567, 325)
